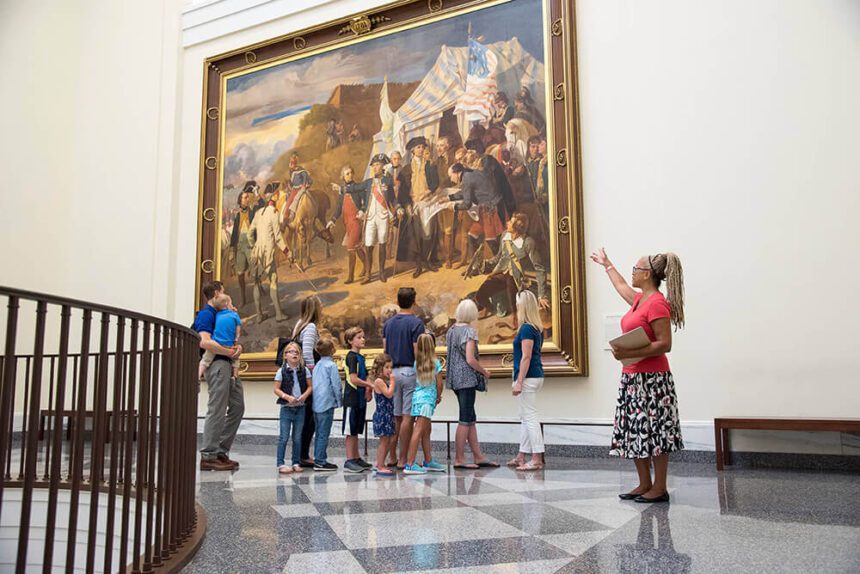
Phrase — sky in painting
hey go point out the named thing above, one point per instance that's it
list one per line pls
(403, 57)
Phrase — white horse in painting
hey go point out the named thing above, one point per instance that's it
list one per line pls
(517, 134)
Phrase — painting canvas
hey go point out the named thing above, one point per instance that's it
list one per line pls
(416, 158)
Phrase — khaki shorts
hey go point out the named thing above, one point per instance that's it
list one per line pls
(404, 386)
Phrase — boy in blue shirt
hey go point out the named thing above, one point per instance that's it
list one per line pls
(327, 398)
(228, 327)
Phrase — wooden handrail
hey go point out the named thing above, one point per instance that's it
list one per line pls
(134, 376)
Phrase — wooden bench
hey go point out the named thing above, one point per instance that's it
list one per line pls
(723, 425)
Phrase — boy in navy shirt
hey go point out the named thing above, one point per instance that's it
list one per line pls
(355, 397)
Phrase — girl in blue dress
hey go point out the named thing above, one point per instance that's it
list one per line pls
(383, 416)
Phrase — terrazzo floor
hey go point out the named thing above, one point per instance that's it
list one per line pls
(565, 519)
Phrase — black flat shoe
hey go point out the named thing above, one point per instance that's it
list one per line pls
(661, 498)
(628, 496)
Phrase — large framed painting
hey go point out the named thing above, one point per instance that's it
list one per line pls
(432, 145)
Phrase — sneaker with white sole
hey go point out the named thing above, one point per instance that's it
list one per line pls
(433, 466)
(353, 466)
(324, 467)
(414, 469)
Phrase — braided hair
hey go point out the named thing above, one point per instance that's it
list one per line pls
(667, 266)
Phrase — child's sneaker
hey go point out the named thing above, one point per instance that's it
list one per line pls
(353, 466)
(434, 466)
(414, 469)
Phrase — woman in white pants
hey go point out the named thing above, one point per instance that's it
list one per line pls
(528, 380)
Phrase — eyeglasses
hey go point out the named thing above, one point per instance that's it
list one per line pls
(635, 269)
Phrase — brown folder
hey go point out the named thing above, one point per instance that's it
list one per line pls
(635, 339)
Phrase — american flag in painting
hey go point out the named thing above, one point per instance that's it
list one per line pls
(477, 100)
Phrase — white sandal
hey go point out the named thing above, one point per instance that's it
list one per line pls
(284, 469)
(297, 468)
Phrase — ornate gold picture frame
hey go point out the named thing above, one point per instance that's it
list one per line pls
(326, 169)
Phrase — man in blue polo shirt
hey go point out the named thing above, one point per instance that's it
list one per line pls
(226, 397)
(400, 339)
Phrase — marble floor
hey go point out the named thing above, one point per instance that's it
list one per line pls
(565, 519)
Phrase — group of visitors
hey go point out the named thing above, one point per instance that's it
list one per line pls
(407, 384)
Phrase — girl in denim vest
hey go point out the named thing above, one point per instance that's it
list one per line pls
(293, 385)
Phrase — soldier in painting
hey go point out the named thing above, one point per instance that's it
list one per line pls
(379, 216)
(447, 220)
(417, 181)
(529, 189)
(351, 203)
(534, 164)
(354, 134)
(490, 167)
(393, 169)
(503, 110)
(517, 259)
(331, 138)
(537, 169)
(298, 185)
(240, 246)
(480, 198)
(265, 238)
(527, 110)
(340, 132)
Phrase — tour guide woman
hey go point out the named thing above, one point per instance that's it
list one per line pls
(647, 428)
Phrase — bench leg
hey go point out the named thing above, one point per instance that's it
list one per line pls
(718, 446)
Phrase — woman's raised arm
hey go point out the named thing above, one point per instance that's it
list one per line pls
(626, 291)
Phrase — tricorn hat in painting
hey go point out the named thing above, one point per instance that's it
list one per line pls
(380, 158)
(416, 141)
(250, 185)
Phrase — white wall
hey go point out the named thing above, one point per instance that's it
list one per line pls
(88, 117)
(722, 130)
(727, 131)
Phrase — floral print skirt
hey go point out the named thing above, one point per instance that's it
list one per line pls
(646, 416)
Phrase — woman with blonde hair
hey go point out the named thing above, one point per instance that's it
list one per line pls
(306, 335)
(647, 427)
(528, 380)
(465, 375)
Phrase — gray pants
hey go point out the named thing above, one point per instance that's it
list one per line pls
(224, 411)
